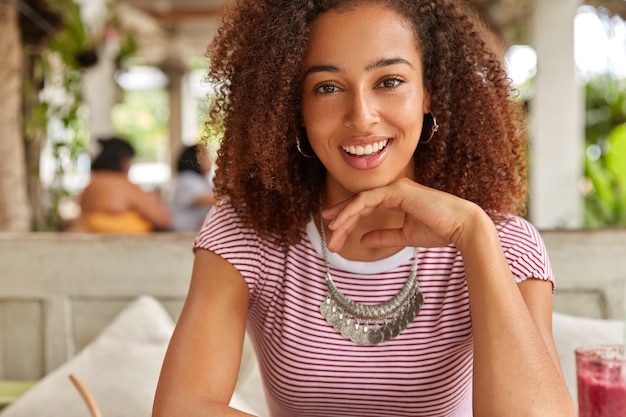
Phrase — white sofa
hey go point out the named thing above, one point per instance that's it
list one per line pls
(122, 364)
(62, 299)
(121, 368)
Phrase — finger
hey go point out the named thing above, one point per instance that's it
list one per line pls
(346, 215)
(384, 238)
(331, 212)
(361, 205)
(336, 241)
(341, 230)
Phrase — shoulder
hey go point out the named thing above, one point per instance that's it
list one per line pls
(223, 229)
(190, 176)
(524, 248)
(515, 230)
(192, 180)
(226, 235)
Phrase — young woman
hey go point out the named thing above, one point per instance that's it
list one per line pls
(373, 171)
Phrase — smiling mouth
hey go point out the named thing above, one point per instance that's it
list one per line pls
(366, 150)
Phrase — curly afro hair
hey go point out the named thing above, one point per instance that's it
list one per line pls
(478, 153)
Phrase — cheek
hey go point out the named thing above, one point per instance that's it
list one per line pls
(320, 121)
(318, 134)
(315, 111)
(407, 113)
(411, 104)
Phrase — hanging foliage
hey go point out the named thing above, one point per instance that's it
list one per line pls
(58, 47)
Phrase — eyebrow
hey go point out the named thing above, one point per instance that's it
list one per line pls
(380, 63)
(385, 62)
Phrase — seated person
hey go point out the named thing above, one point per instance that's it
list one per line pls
(193, 189)
(113, 204)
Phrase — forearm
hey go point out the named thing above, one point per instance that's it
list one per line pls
(161, 218)
(201, 408)
(207, 199)
(513, 370)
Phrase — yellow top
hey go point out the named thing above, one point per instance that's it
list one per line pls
(129, 222)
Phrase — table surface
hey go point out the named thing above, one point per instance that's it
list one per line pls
(11, 390)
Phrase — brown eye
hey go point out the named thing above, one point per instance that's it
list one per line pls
(390, 82)
(326, 89)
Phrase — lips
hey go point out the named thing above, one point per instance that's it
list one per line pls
(366, 156)
(366, 150)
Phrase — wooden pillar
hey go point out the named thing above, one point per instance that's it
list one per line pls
(14, 206)
(557, 120)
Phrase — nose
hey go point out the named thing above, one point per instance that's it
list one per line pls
(362, 112)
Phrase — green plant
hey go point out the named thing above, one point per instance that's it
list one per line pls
(605, 156)
(142, 119)
(52, 89)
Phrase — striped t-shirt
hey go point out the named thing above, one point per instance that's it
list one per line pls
(309, 369)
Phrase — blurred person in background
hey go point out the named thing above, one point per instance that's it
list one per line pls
(193, 189)
(111, 203)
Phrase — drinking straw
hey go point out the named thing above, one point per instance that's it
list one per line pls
(87, 395)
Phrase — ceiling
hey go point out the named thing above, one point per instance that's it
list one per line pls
(170, 31)
(173, 30)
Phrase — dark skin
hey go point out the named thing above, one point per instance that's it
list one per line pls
(506, 317)
(375, 205)
(479, 152)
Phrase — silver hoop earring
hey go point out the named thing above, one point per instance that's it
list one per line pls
(433, 129)
(301, 151)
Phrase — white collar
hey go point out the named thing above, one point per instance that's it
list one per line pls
(360, 267)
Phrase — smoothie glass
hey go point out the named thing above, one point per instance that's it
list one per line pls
(601, 378)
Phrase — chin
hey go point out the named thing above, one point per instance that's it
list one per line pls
(358, 187)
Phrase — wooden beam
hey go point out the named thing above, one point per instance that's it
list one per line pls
(177, 16)
(616, 7)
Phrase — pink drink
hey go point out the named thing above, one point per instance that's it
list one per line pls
(601, 376)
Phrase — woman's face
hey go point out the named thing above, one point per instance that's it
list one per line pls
(363, 99)
(205, 162)
(126, 163)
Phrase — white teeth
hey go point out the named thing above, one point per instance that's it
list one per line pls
(367, 149)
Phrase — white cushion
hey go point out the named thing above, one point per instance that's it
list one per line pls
(571, 332)
(121, 367)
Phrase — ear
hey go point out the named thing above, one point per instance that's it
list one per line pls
(426, 102)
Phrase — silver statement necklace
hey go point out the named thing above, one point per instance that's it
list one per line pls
(369, 324)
